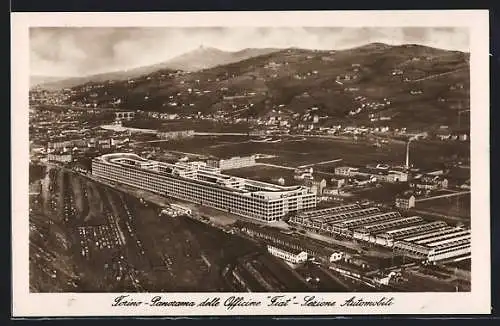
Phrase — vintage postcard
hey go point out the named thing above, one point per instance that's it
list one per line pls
(250, 163)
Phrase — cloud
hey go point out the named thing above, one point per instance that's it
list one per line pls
(73, 51)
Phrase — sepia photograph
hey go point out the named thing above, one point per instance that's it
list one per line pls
(304, 159)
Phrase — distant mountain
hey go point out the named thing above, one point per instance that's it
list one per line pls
(58, 84)
(207, 57)
(198, 59)
(36, 80)
(376, 84)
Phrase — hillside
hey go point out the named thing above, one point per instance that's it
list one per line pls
(36, 80)
(124, 75)
(377, 83)
(200, 58)
(204, 58)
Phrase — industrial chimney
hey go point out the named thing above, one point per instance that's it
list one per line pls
(407, 165)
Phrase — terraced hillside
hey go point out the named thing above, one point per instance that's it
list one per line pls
(407, 85)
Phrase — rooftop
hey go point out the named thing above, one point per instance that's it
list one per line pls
(201, 173)
(290, 250)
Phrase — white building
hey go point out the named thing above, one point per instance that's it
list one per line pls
(331, 191)
(379, 174)
(345, 171)
(198, 183)
(62, 158)
(124, 115)
(385, 279)
(316, 186)
(236, 162)
(336, 256)
(67, 144)
(303, 173)
(176, 134)
(280, 181)
(405, 202)
(289, 255)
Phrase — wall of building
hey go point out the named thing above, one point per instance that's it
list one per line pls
(336, 256)
(208, 195)
(449, 253)
(237, 162)
(383, 176)
(63, 158)
(294, 258)
(176, 134)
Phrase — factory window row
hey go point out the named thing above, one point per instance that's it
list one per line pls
(417, 229)
(448, 250)
(330, 210)
(194, 192)
(444, 237)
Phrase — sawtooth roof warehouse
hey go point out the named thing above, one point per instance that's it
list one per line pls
(196, 182)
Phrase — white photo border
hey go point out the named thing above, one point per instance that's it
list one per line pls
(477, 301)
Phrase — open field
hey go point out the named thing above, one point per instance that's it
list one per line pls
(264, 173)
(297, 151)
(196, 125)
(454, 206)
(385, 193)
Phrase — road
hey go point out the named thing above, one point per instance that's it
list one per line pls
(443, 196)
(276, 166)
(337, 279)
(331, 137)
(149, 141)
(342, 243)
(252, 134)
(121, 128)
(222, 134)
(437, 75)
(447, 218)
(302, 166)
(320, 163)
(82, 108)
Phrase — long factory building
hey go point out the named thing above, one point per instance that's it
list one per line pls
(411, 236)
(442, 244)
(199, 183)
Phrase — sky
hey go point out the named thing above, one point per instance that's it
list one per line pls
(79, 51)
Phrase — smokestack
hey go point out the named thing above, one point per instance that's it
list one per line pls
(407, 165)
